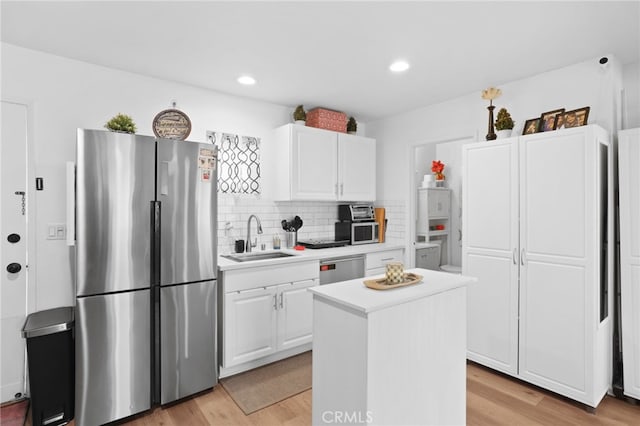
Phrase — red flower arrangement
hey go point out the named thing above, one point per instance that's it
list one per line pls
(437, 167)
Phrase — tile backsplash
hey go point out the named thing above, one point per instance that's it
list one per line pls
(318, 217)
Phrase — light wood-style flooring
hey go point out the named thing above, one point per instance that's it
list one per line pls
(492, 399)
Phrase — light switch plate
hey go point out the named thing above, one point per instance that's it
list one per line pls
(56, 231)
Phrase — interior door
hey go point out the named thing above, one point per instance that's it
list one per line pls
(557, 204)
(489, 252)
(13, 249)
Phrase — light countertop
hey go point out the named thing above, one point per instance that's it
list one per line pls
(355, 295)
(225, 264)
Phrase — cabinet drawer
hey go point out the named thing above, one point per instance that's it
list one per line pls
(374, 271)
(381, 258)
(264, 276)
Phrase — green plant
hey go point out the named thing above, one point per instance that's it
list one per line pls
(504, 121)
(121, 123)
(299, 113)
(352, 125)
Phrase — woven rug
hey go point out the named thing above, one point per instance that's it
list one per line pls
(272, 383)
(14, 413)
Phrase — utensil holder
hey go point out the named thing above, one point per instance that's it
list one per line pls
(290, 239)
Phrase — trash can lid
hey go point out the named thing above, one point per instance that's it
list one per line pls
(48, 322)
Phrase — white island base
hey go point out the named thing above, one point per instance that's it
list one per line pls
(390, 357)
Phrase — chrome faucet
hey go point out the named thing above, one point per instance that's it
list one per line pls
(249, 243)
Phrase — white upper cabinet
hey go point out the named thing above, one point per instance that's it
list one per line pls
(305, 163)
(356, 168)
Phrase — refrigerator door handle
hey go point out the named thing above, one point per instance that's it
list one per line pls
(164, 178)
(155, 241)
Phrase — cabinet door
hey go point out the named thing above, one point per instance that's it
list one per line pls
(489, 252)
(629, 158)
(314, 164)
(357, 168)
(557, 225)
(295, 314)
(442, 203)
(249, 325)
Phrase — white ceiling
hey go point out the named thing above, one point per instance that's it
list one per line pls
(331, 54)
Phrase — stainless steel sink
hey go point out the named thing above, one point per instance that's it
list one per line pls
(247, 257)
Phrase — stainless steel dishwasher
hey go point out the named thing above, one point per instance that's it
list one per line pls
(341, 269)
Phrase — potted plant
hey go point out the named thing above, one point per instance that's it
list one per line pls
(504, 123)
(352, 126)
(437, 168)
(121, 123)
(299, 115)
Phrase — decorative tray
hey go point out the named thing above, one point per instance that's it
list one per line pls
(381, 283)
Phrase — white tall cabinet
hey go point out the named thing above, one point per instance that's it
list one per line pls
(305, 163)
(537, 213)
(629, 192)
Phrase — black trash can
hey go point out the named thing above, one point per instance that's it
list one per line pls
(51, 359)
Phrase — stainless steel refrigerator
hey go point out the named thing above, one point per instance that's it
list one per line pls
(146, 216)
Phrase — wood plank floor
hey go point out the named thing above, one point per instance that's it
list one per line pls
(492, 399)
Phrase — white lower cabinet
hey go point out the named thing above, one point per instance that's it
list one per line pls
(295, 314)
(266, 314)
(375, 263)
(250, 325)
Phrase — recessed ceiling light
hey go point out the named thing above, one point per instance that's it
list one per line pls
(246, 80)
(399, 66)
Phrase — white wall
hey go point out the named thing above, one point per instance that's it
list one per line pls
(576, 86)
(65, 94)
(631, 101)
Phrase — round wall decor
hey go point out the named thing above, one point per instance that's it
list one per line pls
(172, 124)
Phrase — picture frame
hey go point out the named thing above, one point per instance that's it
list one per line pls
(531, 126)
(549, 119)
(574, 118)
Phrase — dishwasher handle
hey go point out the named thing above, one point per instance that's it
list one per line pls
(340, 260)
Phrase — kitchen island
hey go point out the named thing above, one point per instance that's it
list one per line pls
(394, 356)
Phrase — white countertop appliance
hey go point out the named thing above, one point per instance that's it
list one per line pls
(357, 224)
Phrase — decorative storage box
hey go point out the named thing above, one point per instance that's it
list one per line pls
(327, 119)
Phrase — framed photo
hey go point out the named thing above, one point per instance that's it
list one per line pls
(548, 120)
(574, 118)
(531, 126)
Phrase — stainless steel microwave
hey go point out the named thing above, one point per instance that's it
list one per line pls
(357, 232)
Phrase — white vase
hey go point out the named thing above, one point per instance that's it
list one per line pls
(300, 122)
(503, 133)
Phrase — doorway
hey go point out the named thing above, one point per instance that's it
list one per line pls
(448, 152)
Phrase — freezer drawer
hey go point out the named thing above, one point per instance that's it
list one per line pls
(112, 356)
(187, 339)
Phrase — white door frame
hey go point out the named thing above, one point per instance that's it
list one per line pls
(31, 227)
